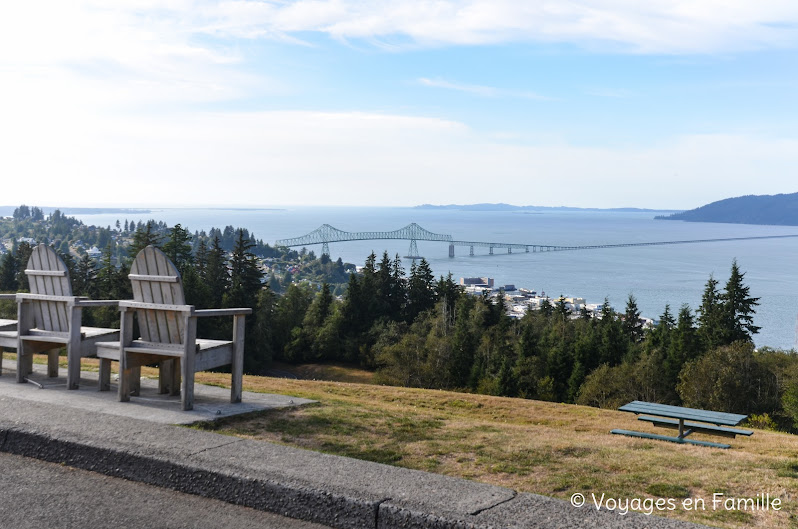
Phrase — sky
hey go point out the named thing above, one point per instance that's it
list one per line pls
(584, 103)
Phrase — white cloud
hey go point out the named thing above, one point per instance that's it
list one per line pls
(654, 26)
(480, 90)
(369, 159)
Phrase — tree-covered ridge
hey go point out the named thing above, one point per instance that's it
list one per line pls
(750, 209)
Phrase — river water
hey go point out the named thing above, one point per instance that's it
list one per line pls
(655, 275)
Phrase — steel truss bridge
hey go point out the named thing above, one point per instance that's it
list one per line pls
(326, 234)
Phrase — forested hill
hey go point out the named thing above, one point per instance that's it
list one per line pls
(750, 209)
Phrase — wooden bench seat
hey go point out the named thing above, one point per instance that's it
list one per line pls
(680, 440)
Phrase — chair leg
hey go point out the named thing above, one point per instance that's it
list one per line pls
(237, 368)
(187, 385)
(73, 349)
(135, 381)
(124, 384)
(52, 363)
(21, 364)
(169, 377)
(176, 381)
(105, 375)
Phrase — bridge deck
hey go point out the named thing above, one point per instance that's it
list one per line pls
(326, 234)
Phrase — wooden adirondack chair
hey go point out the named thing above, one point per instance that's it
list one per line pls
(168, 334)
(50, 316)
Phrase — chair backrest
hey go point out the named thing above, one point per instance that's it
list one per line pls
(48, 275)
(155, 279)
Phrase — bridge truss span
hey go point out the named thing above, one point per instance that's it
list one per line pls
(325, 234)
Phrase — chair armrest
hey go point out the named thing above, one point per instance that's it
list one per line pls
(204, 313)
(155, 306)
(97, 303)
(12, 297)
(43, 297)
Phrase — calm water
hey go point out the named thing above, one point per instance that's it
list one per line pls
(656, 275)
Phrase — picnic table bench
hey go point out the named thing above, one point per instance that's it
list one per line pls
(686, 421)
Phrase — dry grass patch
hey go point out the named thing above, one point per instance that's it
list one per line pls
(532, 446)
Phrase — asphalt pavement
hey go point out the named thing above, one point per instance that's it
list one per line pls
(39, 495)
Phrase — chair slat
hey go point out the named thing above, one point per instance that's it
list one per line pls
(55, 273)
(157, 294)
(59, 285)
(159, 279)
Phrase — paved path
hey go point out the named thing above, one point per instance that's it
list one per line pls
(133, 441)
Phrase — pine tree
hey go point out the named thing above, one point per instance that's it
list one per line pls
(246, 277)
(684, 346)
(632, 326)
(178, 247)
(9, 266)
(216, 275)
(24, 251)
(738, 308)
(83, 281)
(420, 290)
(710, 316)
(143, 237)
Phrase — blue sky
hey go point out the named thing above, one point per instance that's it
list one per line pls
(592, 103)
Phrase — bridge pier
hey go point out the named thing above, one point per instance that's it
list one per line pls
(527, 249)
(509, 250)
(451, 250)
(491, 250)
(471, 251)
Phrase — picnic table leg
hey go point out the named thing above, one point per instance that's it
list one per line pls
(681, 428)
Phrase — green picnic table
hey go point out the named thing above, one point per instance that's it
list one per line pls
(686, 421)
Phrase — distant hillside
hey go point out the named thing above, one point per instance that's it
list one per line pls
(509, 207)
(779, 210)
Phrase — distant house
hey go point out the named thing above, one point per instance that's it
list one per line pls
(28, 240)
(94, 252)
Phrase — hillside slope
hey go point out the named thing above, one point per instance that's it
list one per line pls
(779, 209)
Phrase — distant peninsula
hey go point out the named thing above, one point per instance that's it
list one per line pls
(779, 210)
(509, 207)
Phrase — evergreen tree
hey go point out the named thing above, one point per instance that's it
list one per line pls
(8, 272)
(83, 280)
(178, 247)
(632, 326)
(201, 258)
(660, 336)
(710, 315)
(216, 275)
(420, 290)
(738, 308)
(262, 333)
(143, 237)
(246, 277)
(24, 251)
(684, 345)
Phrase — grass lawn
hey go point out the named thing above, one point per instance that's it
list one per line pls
(532, 446)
